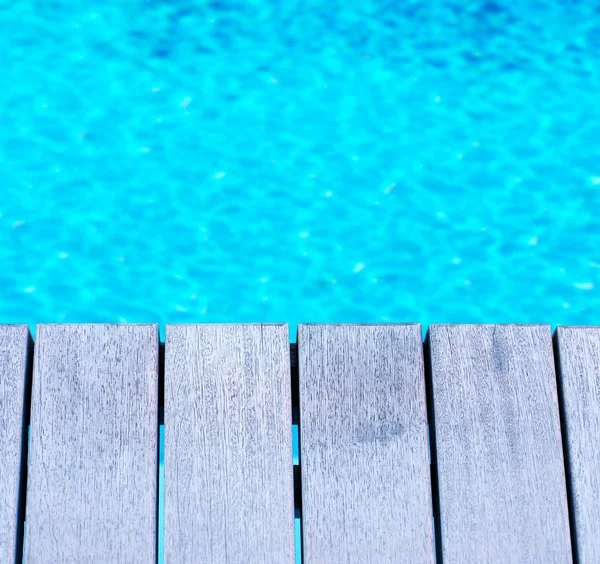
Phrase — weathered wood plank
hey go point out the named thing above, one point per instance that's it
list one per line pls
(92, 484)
(15, 343)
(366, 494)
(228, 444)
(502, 489)
(578, 355)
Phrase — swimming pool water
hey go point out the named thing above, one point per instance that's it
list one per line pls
(276, 160)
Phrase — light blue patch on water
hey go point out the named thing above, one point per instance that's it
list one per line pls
(297, 534)
(295, 444)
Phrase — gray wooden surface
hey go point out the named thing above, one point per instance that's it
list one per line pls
(579, 379)
(228, 445)
(366, 494)
(14, 347)
(92, 484)
(499, 451)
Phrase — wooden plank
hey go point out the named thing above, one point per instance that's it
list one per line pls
(15, 343)
(500, 469)
(92, 484)
(366, 492)
(228, 444)
(578, 356)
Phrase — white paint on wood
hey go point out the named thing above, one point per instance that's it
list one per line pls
(14, 347)
(366, 491)
(579, 378)
(228, 445)
(498, 441)
(92, 484)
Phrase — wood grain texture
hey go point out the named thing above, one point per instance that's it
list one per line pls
(92, 484)
(502, 489)
(366, 491)
(228, 445)
(578, 355)
(14, 360)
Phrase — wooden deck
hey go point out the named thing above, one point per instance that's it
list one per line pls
(479, 445)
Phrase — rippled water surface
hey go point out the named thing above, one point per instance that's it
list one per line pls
(294, 161)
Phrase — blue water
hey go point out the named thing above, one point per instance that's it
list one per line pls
(276, 160)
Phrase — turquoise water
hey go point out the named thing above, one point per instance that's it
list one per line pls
(191, 161)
